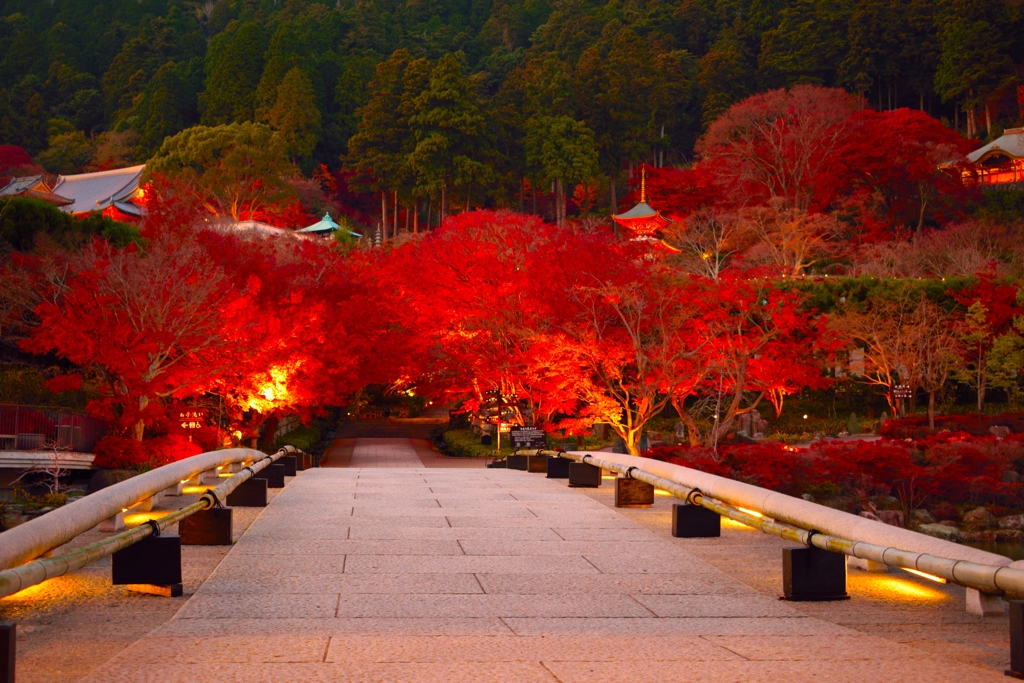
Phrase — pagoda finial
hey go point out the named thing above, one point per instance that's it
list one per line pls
(643, 183)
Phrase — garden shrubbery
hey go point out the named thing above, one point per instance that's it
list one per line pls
(115, 452)
(303, 438)
(465, 443)
(975, 425)
(952, 468)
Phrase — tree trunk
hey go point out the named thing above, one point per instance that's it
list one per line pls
(139, 428)
(534, 188)
(558, 203)
(444, 205)
(562, 200)
(988, 119)
(383, 215)
(981, 394)
(692, 433)
(522, 195)
(633, 441)
(394, 223)
(931, 410)
(415, 216)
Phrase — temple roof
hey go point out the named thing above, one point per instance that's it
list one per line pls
(253, 228)
(97, 191)
(641, 219)
(33, 186)
(1011, 143)
(326, 224)
(641, 210)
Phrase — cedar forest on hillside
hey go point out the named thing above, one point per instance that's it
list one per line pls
(458, 103)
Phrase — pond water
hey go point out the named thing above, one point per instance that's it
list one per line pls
(1014, 551)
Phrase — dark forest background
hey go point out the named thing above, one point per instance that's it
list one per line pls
(87, 85)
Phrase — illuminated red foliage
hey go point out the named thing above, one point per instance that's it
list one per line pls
(954, 470)
(956, 425)
(816, 150)
(120, 453)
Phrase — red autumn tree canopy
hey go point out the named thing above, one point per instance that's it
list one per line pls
(781, 143)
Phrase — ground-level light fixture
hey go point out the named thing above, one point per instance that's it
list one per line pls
(930, 577)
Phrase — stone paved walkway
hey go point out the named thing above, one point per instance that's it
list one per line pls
(395, 574)
(341, 451)
(384, 453)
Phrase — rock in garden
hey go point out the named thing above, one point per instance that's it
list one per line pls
(1011, 477)
(919, 517)
(979, 536)
(1011, 522)
(977, 519)
(999, 431)
(891, 517)
(870, 515)
(1010, 536)
(946, 533)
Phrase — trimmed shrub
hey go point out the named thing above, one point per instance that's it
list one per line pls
(956, 469)
(23, 219)
(975, 425)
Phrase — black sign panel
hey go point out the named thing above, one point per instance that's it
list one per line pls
(527, 437)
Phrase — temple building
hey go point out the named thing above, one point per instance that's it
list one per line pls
(999, 162)
(116, 194)
(642, 222)
(34, 186)
(324, 227)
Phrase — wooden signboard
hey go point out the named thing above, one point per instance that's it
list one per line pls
(192, 418)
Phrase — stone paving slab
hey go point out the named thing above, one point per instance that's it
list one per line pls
(279, 546)
(630, 549)
(600, 584)
(502, 606)
(352, 584)
(260, 605)
(362, 531)
(465, 564)
(365, 575)
(384, 453)
(841, 671)
(527, 648)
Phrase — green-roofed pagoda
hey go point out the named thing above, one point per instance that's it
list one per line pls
(325, 226)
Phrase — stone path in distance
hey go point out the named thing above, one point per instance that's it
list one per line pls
(416, 574)
(384, 453)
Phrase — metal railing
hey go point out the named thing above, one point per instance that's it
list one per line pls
(994, 578)
(33, 428)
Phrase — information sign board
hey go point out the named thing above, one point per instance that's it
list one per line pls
(192, 418)
(527, 437)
